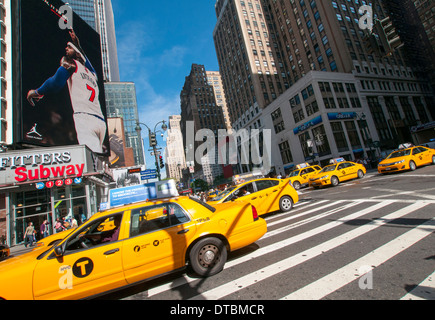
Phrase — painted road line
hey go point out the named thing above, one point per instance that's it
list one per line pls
(343, 276)
(288, 263)
(424, 291)
(275, 246)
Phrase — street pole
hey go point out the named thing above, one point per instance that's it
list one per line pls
(153, 142)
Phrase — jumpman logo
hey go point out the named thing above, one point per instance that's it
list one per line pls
(33, 130)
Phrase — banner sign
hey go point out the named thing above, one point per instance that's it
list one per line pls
(142, 192)
(308, 125)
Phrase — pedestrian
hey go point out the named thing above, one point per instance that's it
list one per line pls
(74, 223)
(44, 229)
(29, 234)
(58, 226)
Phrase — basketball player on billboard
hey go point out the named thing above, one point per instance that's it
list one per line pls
(77, 71)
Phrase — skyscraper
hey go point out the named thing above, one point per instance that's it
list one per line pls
(198, 105)
(175, 158)
(121, 102)
(265, 49)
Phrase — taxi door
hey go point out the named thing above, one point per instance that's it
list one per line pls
(159, 236)
(268, 192)
(421, 156)
(344, 171)
(85, 268)
(352, 170)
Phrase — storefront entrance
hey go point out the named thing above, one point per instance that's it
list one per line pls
(36, 206)
(31, 206)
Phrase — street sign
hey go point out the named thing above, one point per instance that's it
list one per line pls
(148, 176)
(148, 171)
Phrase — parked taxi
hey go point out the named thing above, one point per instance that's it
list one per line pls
(130, 244)
(301, 176)
(339, 171)
(266, 195)
(407, 159)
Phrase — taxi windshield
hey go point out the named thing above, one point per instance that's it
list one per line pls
(399, 153)
(223, 194)
(294, 173)
(329, 168)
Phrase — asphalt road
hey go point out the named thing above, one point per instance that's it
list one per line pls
(367, 239)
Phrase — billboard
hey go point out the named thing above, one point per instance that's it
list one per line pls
(60, 98)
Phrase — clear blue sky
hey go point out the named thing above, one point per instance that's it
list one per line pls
(157, 43)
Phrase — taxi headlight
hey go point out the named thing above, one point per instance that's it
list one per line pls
(399, 162)
(324, 177)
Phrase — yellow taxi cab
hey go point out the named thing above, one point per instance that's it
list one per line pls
(132, 243)
(339, 171)
(53, 239)
(407, 159)
(300, 177)
(266, 195)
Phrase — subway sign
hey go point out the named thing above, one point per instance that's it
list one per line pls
(45, 164)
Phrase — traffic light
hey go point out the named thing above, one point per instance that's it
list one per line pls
(153, 140)
(388, 36)
(371, 43)
(161, 162)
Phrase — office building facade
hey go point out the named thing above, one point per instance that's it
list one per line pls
(121, 102)
(266, 48)
(199, 106)
(174, 151)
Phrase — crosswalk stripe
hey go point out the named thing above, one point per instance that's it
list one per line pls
(341, 277)
(295, 216)
(299, 258)
(424, 291)
(277, 245)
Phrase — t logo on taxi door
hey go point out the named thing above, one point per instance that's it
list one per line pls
(83, 267)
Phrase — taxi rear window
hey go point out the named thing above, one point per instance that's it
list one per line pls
(209, 207)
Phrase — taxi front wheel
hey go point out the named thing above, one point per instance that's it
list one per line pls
(334, 181)
(208, 257)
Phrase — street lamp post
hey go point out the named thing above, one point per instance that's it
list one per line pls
(152, 141)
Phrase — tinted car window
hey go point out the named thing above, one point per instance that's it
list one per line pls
(264, 184)
(153, 218)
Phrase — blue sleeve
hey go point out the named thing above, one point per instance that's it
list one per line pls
(55, 83)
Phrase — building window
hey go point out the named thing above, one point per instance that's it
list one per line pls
(286, 155)
(339, 136)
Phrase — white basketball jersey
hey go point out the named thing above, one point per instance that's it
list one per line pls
(84, 92)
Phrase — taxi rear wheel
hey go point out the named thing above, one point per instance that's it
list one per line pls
(433, 160)
(208, 257)
(285, 203)
(360, 174)
(412, 165)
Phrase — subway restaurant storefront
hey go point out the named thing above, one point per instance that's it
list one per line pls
(46, 184)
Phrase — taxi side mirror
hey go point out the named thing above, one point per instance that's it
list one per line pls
(58, 251)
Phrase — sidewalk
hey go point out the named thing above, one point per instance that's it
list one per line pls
(19, 250)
